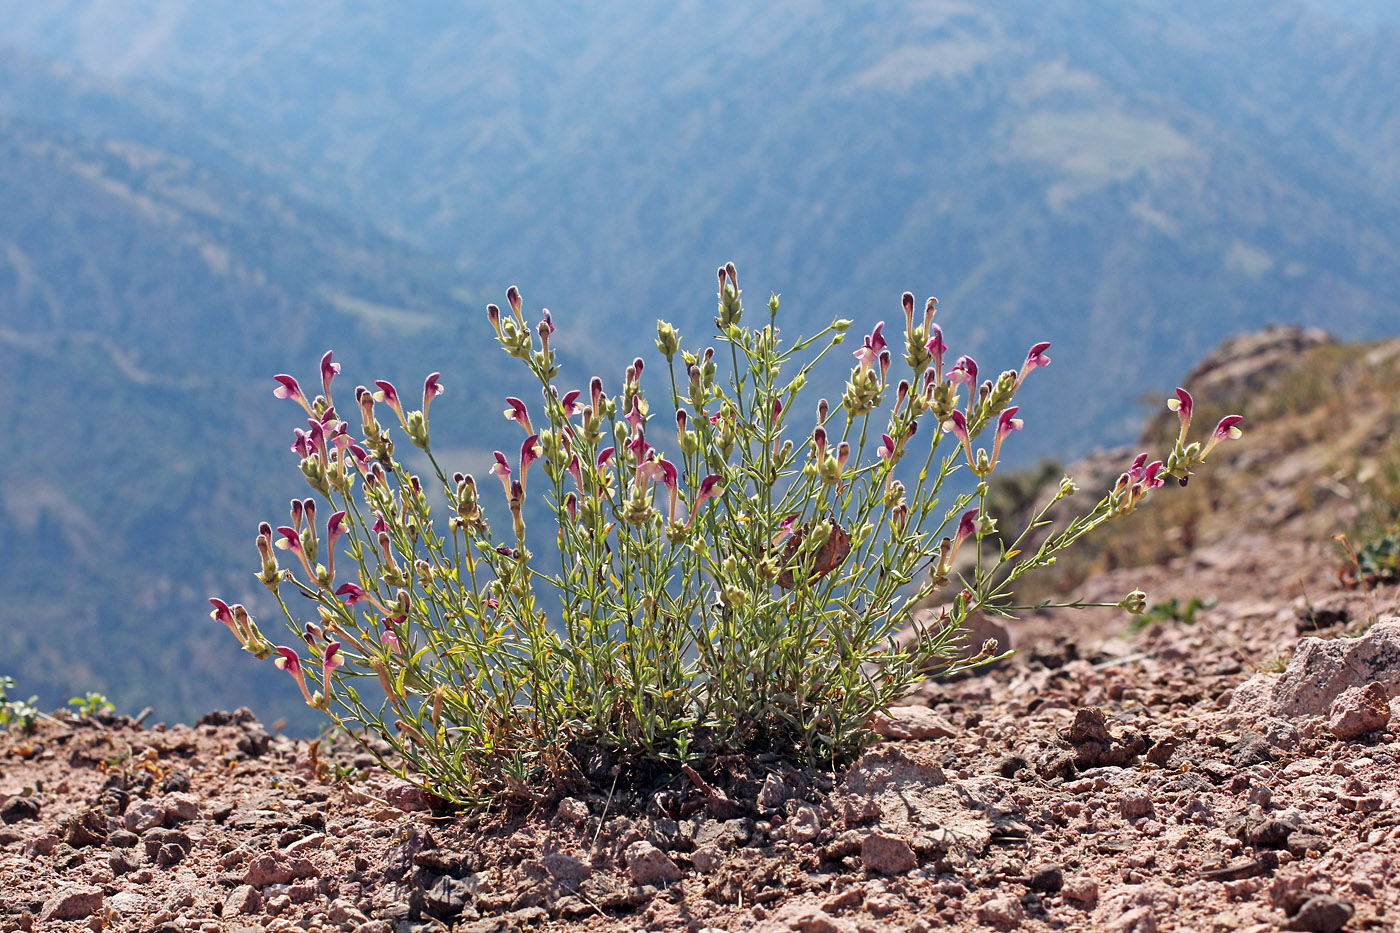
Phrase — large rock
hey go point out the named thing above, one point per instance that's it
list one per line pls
(1360, 710)
(1322, 670)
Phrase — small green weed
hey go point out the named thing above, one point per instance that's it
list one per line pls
(22, 713)
(1170, 610)
(91, 704)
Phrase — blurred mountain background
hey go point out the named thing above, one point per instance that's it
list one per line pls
(195, 194)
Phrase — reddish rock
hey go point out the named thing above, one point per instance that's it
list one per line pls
(72, 904)
(408, 797)
(244, 899)
(913, 722)
(1360, 710)
(887, 854)
(276, 868)
(649, 865)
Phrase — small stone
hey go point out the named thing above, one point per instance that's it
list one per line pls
(274, 868)
(73, 904)
(307, 843)
(1360, 710)
(18, 808)
(566, 868)
(122, 838)
(88, 828)
(244, 899)
(170, 854)
(180, 808)
(407, 797)
(1003, 912)
(772, 794)
(914, 722)
(1135, 803)
(129, 902)
(1251, 749)
(449, 897)
(43, 844)
(706, 859)
(121, 861)
(1138, 920)
(142, 815)
(649, 865)
(1323, 914)
(887, 854)
(804, 825)
(1081, 891)
(1047, 878)
(1270, 834)
(573, 810)
(1301, 843)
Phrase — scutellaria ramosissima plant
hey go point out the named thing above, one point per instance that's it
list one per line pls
(732, 568)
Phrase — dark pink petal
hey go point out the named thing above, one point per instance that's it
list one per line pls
(1008, 422)
(288, 388)
(605, 455)
(570, 403)
(1150, 479)
(669, 475)
(287, 661)
(329, 370)
(1228, 428)
(887, 448)
(431, 390)
(291, 540)
(221, 612)
(1182, 404)
(967, 524)
(518, 413)
(959, 425)
(351, 592)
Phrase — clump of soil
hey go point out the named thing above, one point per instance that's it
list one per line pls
(1097, 782)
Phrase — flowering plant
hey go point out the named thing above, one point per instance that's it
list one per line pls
(731, 574)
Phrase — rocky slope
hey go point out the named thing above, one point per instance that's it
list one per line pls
(1227, 767)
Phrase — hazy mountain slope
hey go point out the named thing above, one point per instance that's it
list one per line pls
(144, 304)
(1130, 180)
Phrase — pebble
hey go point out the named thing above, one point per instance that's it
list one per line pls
(887, 854)
(73, 903)
(18, 808)
(1003, 912)
(649, 865)
(244, 899)
(1323, 914)
(1135, 803)
(1359, 710)
(142, 815)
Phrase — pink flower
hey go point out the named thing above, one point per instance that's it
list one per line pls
(222, 613)
(1182, 405)
(334, 529)
(513, 296)
(595, 393)
(431, 390)
(1034, 360)
(1138, 469)
(380, 525)
(670, 479)
(529, 452)
(907, 300)
(291, 540)
(785, 529)
(1008, 422)
(710, 488)
(288, 388)
(570, 403)
(1227, 430)
(635, 417)
(967, 525)
(1150, 479)
(352, 593)
(937, 347)
(518, 413)
(819, 442)
(639, 447)
(965, 370)
(288, 661)
(957, 424)
(501, 470)
(869, 351)
(332, 659)
(390, 396)
(576, 471)
(886, 450)
(329, 370)
(605, 455)
(493, 314)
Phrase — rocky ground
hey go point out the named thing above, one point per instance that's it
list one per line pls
(1160, 780)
